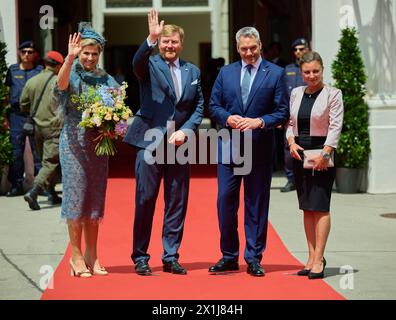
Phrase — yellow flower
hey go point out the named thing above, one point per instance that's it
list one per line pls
(125, 115)
(115, 118)
(108, 116)
(118, 105)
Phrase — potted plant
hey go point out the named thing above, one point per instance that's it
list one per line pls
(5, 143)
(354, 146)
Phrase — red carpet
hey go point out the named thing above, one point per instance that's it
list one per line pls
(200, 249)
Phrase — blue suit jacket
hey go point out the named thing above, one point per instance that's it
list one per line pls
(267, 100)
(158, 98)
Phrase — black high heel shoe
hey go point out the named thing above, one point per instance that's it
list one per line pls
(303, 272)
(318, 275)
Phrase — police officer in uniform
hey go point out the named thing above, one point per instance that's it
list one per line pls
(17, 76)
(293, 80)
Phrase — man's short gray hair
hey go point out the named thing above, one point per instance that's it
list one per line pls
(248, 32)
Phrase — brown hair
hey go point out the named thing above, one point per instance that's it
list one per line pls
(170, 29)
(310, 56)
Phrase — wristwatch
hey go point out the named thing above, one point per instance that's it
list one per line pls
(325, 155)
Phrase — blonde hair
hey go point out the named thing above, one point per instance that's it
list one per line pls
(91, 42)
(170, 29)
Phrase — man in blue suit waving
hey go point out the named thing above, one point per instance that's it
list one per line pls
(171, 95)
(248, 97)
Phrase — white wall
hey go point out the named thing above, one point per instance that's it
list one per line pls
(375, 21)
(8, 29)
(133, 30)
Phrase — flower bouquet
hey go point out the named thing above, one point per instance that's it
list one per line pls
(103, 108)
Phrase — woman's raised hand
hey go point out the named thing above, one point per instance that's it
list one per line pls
(75, 44)
(155, 28)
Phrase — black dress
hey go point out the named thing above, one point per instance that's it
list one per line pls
(313, 187)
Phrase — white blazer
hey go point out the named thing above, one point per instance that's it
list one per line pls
(326, 117)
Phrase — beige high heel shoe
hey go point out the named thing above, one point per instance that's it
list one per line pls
(80, 274)
(98, 271)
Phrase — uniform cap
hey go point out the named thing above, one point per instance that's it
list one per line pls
(299, 42)
(27, 44)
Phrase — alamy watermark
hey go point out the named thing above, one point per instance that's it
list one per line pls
(232, 143)
(47, 280)
(47, 18)
(347, 19)
(347, 281)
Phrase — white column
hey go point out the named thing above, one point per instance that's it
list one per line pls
(9, 28)
(97, 9)
(375, 21)
(219, 27)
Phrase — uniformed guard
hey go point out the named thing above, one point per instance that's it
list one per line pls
(293, 80)
(17, 76)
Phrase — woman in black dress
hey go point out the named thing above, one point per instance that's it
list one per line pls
(316, 115)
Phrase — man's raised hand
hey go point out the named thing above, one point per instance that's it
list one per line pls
(155, 28)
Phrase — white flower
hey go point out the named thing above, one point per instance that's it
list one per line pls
(96, 120)
(85, 114)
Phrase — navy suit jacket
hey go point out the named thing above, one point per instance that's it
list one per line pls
(158, 97)
(267, 100)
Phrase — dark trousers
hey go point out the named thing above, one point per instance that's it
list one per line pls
(256, 198)
(176, 186)
(18, 138)
(47, 146)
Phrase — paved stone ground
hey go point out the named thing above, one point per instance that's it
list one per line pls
(33, 243)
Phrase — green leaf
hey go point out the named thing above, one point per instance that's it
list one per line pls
(348, 70)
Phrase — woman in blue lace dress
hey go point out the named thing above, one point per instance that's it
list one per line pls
(84, 174)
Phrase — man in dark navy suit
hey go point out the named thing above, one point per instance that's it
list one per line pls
(249, 97)
(171, 96)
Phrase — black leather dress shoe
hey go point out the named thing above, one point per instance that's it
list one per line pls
(142, 268)
(174, 267)
(290, 186)
(224, 265)
(255, 269)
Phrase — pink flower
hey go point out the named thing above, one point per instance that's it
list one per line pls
(121, 128)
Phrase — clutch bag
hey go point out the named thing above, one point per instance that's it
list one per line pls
(309, 155)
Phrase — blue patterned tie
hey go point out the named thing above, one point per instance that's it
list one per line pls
(246, 84)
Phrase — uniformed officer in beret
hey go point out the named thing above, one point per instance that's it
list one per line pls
(37, 99)
(293, 80)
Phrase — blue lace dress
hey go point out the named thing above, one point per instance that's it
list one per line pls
(84, 174)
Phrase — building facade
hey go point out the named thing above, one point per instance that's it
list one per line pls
(210, 26)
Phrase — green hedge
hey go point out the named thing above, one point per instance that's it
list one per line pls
(5, 143)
